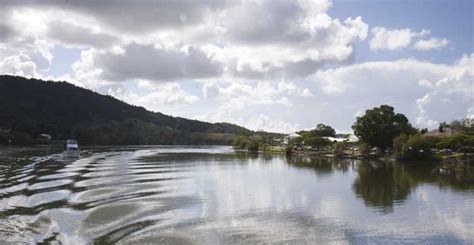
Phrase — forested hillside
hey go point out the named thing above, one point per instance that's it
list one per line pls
(31, 107)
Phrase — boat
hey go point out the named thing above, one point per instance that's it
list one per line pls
(71, 149)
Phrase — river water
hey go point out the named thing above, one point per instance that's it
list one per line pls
(213, 195)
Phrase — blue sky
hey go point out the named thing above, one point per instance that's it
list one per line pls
(272, 65)
(448, 19)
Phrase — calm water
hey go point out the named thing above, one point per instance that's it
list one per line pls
(212, 195)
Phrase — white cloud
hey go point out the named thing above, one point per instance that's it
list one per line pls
(388, 39)
(262, 64)
(254, 122)
(290, 88)
(291, 38)
(86, 73)
(427, 93)
(156, 64)
(38, 51)
(452, 97)
(19, 65)
(240, 94)
(248, 104)
(129, 16)
(432, 43)
(266, 123)
(74, 34)
(396, 78)
(157, 96)
(288, 44)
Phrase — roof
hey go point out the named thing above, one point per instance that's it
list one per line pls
(352, 138)
(446, 132)
(332, 139)
(293, 136)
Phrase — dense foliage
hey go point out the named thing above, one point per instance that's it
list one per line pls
(321, 130)
(414, 147)
(30, 107)
(380, 125)
(419, 147)
(250, 143)
(316, 142)
(459, 143)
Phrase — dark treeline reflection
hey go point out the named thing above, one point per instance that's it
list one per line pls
(322, 166)
(381, 185)
(384, 184)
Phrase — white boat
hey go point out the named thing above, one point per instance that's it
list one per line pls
(71, 149)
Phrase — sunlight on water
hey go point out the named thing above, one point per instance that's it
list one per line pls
(212, 195)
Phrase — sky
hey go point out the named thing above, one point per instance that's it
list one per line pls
(277, 66)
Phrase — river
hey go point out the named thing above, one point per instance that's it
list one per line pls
(213, 195)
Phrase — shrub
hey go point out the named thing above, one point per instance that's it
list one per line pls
(460, 143)
(415, 147)
(316, 142)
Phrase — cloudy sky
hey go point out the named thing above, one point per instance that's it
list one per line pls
(266, 65)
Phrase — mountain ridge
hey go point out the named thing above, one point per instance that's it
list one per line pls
(63, 110)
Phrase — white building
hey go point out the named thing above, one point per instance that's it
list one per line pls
(290, 137)
(350, 139)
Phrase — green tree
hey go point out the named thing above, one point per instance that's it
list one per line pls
(325, 131)
(252, 143)
(321, 130)
(460, 143)
(380, 125)
(316, 142)
(414, 147)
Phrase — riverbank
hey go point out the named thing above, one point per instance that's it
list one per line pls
(456, 162)
(447, 163)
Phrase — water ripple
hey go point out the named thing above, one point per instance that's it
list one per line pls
(211, 195)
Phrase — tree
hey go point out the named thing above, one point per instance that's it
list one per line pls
(460, 143)
(62, 110)
(245, 142)
(414, 147)
(380, 125)
(316, 142)
(325, 131)
(321, 130)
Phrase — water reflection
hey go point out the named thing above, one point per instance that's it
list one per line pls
(381, 184)
(213, 195)
(322, 166)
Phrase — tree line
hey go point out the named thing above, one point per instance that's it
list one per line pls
(31, 107)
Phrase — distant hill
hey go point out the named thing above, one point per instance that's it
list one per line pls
(31, 107)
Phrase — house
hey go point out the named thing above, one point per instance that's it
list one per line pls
(350, 139)
(441, 132)
(333, 139)
(293, 136)
(289, 137)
